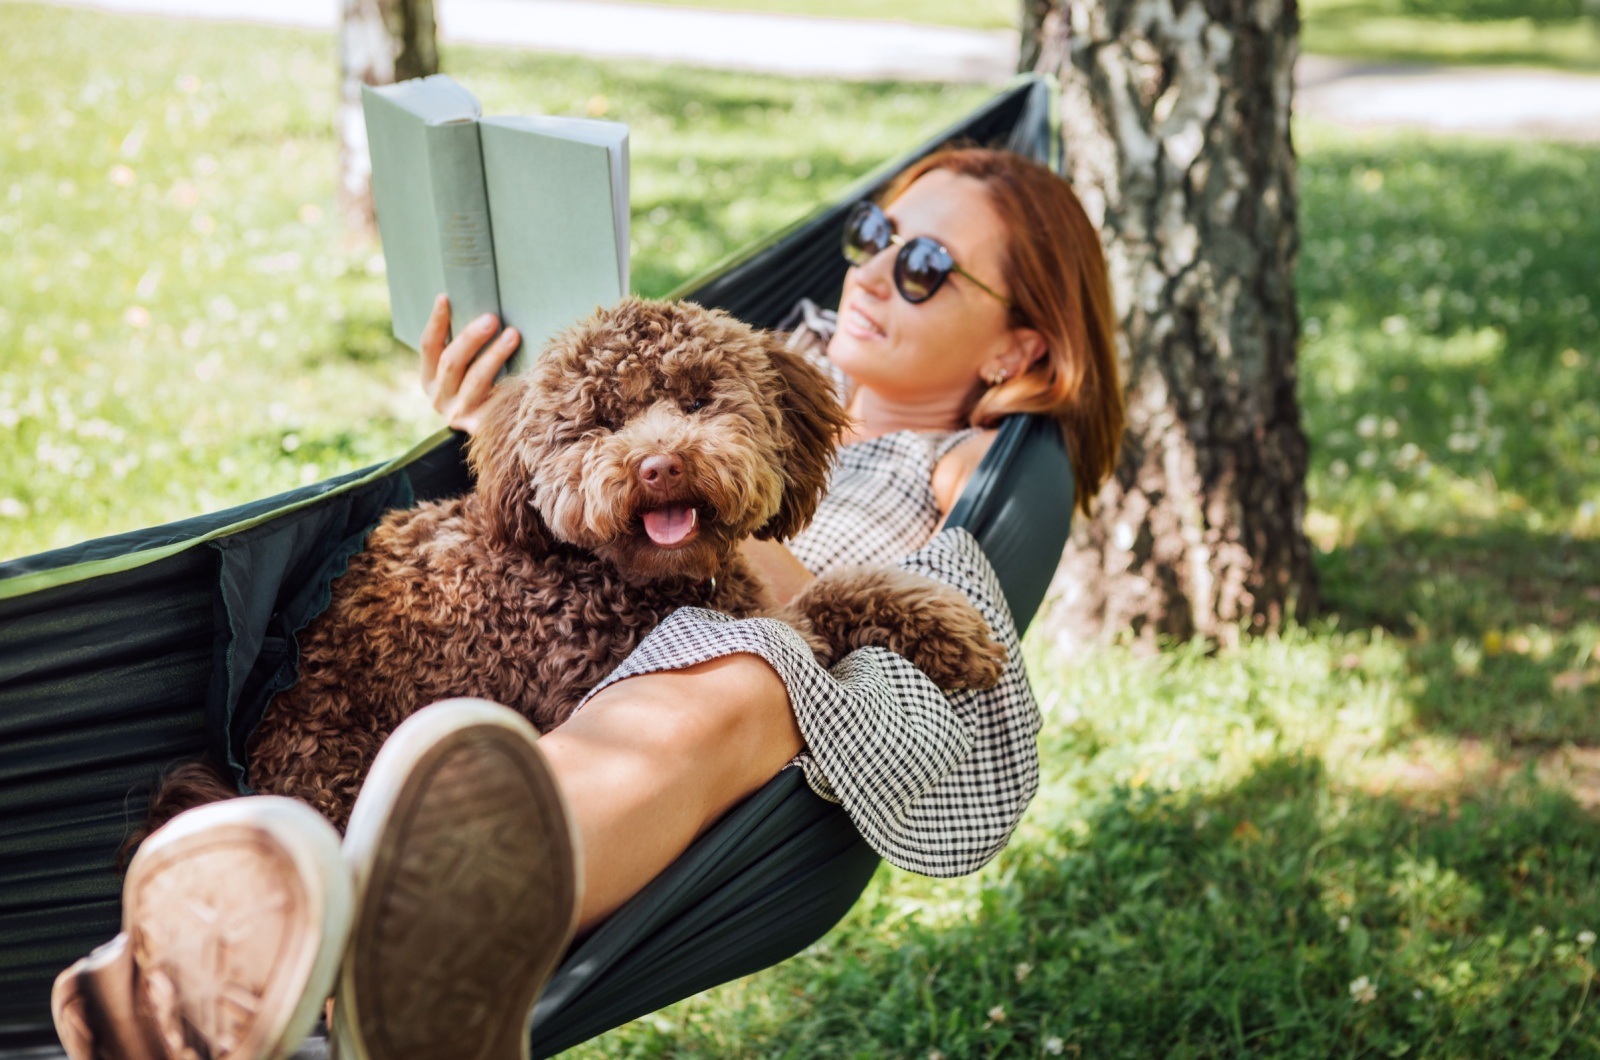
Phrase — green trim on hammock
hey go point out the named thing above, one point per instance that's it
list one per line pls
(57, 576)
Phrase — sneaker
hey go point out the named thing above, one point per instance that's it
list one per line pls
(234, 919)
(467, 881)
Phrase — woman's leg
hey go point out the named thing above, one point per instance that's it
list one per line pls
(651, 761)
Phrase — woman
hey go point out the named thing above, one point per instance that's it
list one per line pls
(979, 289)
(1021, 321)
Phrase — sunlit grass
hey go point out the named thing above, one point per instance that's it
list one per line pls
(1500, 33)
(183, 328)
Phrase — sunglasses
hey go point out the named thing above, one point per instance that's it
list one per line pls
(920, 268)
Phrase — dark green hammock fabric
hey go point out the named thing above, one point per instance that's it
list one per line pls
(124, 655)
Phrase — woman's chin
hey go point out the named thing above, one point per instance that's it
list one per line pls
(854, 355)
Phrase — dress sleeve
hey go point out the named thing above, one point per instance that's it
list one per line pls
(935, 783)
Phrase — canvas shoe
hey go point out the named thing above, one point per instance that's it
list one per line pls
(467, 880)
(234, 919)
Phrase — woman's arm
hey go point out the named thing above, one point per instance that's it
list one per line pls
(457, 376)
(776, 565)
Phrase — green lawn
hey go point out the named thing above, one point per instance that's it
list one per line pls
(1492, 32)
(1495, 32)
(1373, 836)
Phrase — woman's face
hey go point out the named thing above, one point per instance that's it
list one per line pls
(942, 346)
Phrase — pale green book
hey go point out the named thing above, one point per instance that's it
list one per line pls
(525, 217)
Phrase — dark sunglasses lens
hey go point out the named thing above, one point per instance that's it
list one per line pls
(921, 267)
(866, 233)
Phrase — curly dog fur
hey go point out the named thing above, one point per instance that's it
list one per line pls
(615, 481)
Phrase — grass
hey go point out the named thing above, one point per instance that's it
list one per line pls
(1373, 836)
(1464, 32)
(180, 326)
(1553, 33)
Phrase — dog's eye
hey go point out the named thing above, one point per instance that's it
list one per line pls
(697, 404)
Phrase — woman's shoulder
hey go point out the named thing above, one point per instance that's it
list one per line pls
(955, 468)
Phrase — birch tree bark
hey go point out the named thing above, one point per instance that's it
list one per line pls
(1175, 117)
(380, 42)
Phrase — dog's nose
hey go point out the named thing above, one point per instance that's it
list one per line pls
(661, 471)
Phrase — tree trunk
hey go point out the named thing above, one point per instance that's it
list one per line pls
(1176, 129)
(380, 42)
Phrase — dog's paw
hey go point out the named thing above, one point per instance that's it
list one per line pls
(931, 625)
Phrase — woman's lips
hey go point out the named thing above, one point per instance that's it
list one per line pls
(859, 325)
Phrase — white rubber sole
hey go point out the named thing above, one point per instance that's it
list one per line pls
(467, 876)
(235, 917)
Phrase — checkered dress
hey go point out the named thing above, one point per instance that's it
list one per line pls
(935, 783)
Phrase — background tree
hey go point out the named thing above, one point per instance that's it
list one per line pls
(1175, 116)
(380, 42)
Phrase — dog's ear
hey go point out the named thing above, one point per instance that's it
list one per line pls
(503, 480)
(813, 420)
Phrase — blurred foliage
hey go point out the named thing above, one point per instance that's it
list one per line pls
(1558, 33)
(1493, 10)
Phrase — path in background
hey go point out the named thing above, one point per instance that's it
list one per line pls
(793, 45)
(1496, 101)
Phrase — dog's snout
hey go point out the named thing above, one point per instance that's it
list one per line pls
(661, 470)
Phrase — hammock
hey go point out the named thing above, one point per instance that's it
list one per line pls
(123, 655)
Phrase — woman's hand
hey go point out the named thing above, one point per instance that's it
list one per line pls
(459, 376)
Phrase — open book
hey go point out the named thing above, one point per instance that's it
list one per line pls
(523, 217)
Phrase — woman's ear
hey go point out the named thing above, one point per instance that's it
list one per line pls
(494, 454)
(1022, 350)
(813, 419)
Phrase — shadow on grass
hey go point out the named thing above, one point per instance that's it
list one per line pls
(1282, 917)
(1501, 626)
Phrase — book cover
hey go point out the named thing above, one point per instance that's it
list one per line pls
(564, 249)
(429, 194)
(526, 217)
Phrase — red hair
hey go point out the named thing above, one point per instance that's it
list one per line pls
(1055, 269)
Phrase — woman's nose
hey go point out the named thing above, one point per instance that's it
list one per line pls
(876, 277)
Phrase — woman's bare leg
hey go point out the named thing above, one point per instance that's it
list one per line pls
(651, 761)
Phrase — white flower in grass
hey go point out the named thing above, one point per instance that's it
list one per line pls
(1054, 1046)
(1586, 937)
(1021, 971)
(1344, 924)
(1539, 931)
(1363, 992)
(934, 1054)
(997, 1014)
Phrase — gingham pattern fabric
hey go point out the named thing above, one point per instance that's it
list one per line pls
(935, 783)
(879, 505)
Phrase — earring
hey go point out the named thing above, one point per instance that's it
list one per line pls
(996, 377)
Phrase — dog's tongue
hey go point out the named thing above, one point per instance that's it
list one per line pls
(670, 525)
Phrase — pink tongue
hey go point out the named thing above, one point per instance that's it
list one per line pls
(669, 525)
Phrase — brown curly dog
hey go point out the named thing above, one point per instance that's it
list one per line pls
(615, 481)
